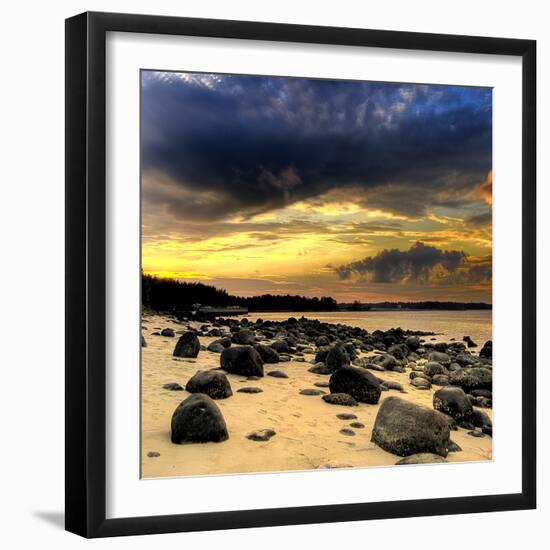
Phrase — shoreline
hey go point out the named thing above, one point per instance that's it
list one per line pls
(308, 431)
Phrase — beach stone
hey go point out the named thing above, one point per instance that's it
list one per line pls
(225, 341)
(284, 358)
(244, 337)
(432, 368)
(469, 342)
(358, 425)
(487, 350)
(267, 353)
(321, 355)
(212, 383)
(346, 416)
(440, 380)
(277, 374)
(322, 341)
(475, 433)
(413, 342)
(244, 360)
(261, 435)
(337, 358)
(215, 348)
(421, 458)
(311, 391)
(281, 346)
(143, 342)
(480, 419)
(319, 368)
(340, 399)
(475, 378)
(421, 383)
(404, 428)
(453, 401)
(440, 357)
(399, 351)
(153, 454)
(392, 385)
(253, 378)
(321, 384)
(188, 345)
(361, 384)
(386, 361)
(198, 419)
(347, 431)
(250, 389)
(453, 447)
(168, 332)
(172, 386)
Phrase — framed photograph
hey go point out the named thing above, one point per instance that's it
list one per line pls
(300, 274)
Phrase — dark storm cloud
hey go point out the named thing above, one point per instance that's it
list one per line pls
(253, 144)
(418, 264)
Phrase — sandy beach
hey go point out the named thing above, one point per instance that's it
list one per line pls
(307, 428)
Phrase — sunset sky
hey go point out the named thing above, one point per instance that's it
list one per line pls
(357, 190)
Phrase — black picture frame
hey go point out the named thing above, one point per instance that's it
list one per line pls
(86, 284)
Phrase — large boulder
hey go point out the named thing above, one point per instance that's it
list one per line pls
(244, 337)
(361, 384)
(474, 378)
(198, 420)
(386, 361)
(413, 342)
(210, 382)
(267, 353)
(244, 360)
(337, 358)
(188, 345)
(404, 428)
(453, 401)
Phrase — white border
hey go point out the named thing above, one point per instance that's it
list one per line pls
(127, 495)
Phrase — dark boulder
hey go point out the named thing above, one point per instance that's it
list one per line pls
(487, 350)
(215, 348)
(421, 383)
(320, 368)
(474, 378)
(399, 351)
(172, 386)
(311, 391)
(250, 389)
(432, 368)
(404, 428)
(480, 419)
(277, 374)
(244, 337)
(361, 384)
(267, 353)
(167, 332)
(243, 360)
(225, 342)
(340, 399)
(188, 345)
(210, 382)
(413, 342)
(440, 357)
(199, 420)
(337, 358)
(386, 361)
(281, 346)
(453, 401)
(322, 341)
(440, 380)
(261, 435)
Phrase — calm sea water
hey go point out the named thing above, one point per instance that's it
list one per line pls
(446, 324)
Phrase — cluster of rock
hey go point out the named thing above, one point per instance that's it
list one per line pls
(464, 380)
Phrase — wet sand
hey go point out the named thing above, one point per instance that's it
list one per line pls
(307, 429)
